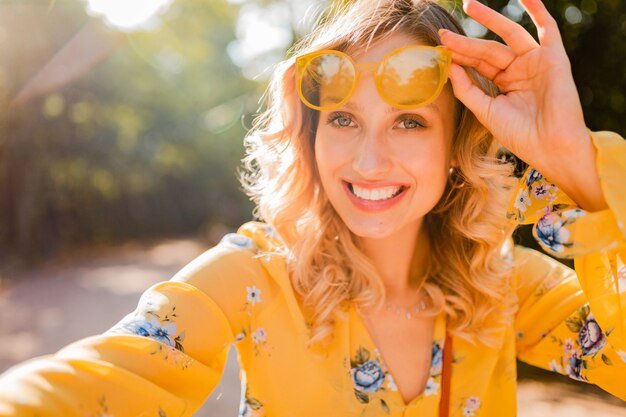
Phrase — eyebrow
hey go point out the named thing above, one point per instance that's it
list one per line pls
(390, 109)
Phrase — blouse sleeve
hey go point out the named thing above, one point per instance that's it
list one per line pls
(571, 322)
(163, 359)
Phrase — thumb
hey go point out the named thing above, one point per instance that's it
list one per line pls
(469, 93)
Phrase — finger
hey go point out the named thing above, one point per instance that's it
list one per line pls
(513, 34)
(484, 68)
(470, 95)
(547, 28)
(495, 53)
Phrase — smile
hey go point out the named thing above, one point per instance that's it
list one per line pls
(374, 198)
(376, 194)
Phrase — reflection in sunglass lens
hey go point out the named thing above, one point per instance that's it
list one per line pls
(410, 77)
(327, 80)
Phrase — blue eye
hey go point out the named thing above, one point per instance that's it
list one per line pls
(340, 120)
(410, 122)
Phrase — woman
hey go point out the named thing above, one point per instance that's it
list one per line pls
(384, 281)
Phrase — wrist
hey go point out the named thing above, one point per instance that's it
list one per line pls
(576, 174)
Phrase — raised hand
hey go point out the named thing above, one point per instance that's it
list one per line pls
(538, 115)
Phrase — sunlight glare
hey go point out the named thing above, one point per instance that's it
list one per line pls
(263, 35)
(125, 14)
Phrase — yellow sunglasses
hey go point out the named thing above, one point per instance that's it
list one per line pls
(408, 77)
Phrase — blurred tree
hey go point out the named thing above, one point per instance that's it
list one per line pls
(144, 144)
(594, 35)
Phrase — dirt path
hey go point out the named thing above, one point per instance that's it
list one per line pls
(48, 307)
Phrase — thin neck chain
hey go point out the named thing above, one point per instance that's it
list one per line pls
(408, 312)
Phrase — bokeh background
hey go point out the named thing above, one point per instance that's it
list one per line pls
(121, 127)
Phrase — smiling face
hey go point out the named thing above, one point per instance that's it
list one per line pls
(383, 168)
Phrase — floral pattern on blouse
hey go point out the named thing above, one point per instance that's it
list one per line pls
(580, 350)
(433, 384)
(152, 325)
(470, 406)
(436, 361)
(553, 215)
(368, 377)
(160, 328)
(238, 240)
(552, 231)
(533, 187)
(258, 335)
(250, 406)
(103, 409)
(621, 278)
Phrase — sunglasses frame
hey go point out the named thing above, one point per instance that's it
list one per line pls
(302, 62)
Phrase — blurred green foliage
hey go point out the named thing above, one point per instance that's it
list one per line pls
(144, 144)
(594, 35)
(147, 142)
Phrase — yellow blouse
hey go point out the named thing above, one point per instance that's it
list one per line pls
(165, 358)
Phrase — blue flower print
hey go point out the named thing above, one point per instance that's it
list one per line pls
(238, 240)
(571, 359)
(589, 341)
(270, 232)
(249, 406)
(158, 325)
(590, 337)
(140, 327)
(552, 233)
(153, 329)
(437, 359)
(533, 176)
(368, 376)
(573, 368)
(432, 387)
(164, 334)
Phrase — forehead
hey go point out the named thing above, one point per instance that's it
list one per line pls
(377, 50)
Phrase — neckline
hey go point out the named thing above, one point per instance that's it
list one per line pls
(438, 337)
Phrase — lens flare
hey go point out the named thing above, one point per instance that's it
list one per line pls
(127, 15)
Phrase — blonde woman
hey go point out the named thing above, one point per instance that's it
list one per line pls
(383, 280)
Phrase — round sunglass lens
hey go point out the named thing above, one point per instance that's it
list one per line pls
(410, 77)
(327, 80)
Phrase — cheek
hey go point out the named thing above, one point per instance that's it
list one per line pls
(324, 159)
(332, 150)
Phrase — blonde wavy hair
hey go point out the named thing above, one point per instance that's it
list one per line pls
(469, 278)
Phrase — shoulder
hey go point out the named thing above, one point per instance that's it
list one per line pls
(234, 263)
(536, 273)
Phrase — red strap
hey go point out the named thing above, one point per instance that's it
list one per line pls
(446, 375)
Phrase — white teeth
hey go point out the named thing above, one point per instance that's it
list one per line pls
(376, 194)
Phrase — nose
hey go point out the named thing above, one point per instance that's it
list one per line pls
(371, 160)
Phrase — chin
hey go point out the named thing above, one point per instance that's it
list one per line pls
(372, 229)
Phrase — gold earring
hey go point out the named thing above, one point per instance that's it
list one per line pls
(455, 178)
